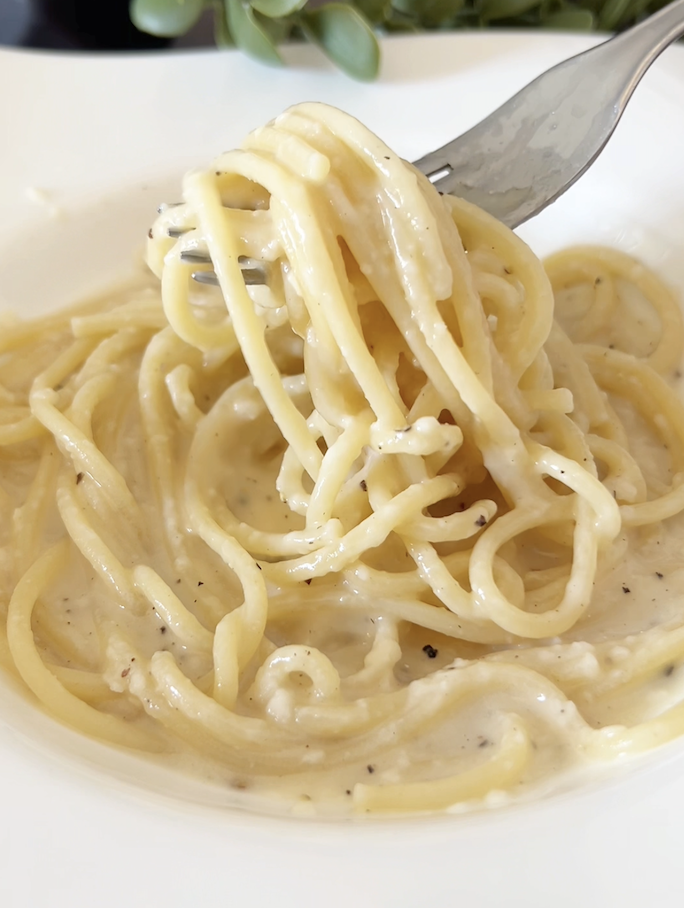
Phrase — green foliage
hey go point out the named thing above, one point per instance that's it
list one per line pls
(346, 37)
(277, 9)
(506, 9)
(376, 11)
(612, 12)
(573, 20)
(165, 18)
(249, 34)
(346, 31)
(428, 13)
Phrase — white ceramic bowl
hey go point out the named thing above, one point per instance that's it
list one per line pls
(83, 826)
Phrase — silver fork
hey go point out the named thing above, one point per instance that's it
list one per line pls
(530, 150)
(527, 153)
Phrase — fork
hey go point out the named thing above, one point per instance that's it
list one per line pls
(527, 153)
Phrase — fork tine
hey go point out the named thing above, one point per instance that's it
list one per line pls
(195, 258)
(205, 277)
(166, 205)
(252, 277)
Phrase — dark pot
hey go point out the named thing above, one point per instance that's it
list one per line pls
(72, 25)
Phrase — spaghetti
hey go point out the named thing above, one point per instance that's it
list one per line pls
(378, 531)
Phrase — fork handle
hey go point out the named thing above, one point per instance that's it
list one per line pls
(634, 50)
(523, 156)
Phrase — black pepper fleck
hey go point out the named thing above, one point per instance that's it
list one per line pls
(364, 485)
(659, 575)
(481, 520)
(430, 651)
(308, 580)
(79, 477)
(371, 769)
(625, 589)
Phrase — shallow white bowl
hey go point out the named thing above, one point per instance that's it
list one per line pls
(89, 147)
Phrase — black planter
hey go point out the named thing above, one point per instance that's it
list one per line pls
(72, 25)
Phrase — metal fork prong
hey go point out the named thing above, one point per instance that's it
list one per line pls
(176, 232)
(195, 258)
(205, 277)
(166, 205)
(203, 258)
(251, 276)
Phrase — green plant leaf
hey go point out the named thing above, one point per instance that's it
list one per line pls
(506, 9)
(346, 37)
(278, 30)
(638, 10)
(611, 13)
(429, 12)
(401, 26)
(165, 18)
(437, 11)
(376, 11)
(222, 35)
(575, 20)
(276, 9)
(248, 33)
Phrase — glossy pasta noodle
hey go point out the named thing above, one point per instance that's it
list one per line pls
(344, 512)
